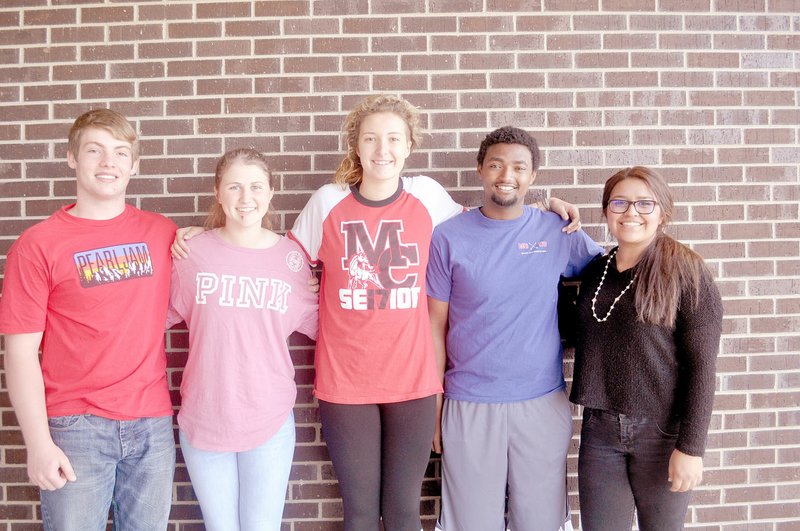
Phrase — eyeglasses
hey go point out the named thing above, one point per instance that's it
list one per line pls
(642, 206)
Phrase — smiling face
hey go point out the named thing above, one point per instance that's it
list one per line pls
(244, 194)
(507, 173)
(103, 166)
(383, 147)
(630, 228)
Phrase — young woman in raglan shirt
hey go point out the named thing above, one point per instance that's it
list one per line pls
(649, 324)
(242, 291)
(377, 378)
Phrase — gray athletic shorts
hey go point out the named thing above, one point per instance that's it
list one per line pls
(520, 444)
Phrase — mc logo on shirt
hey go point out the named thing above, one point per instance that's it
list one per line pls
(378, 268)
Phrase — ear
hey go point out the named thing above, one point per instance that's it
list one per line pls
(135, 168)
(408, 148)
(71, 160)
(478, 169)
(533, 176)
(216, 193)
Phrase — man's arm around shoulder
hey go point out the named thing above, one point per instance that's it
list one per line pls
(48, 466)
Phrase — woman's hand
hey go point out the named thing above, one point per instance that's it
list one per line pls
(567, 211)
(685, 471)
(179, 248)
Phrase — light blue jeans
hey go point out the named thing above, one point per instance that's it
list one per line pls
(127, 465)
(242, 491)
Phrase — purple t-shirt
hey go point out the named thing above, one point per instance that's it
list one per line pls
(500, 278)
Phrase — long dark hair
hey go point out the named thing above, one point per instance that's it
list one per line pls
(667, 269)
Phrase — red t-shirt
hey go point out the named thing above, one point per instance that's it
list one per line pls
(99, 291)
(374, 344)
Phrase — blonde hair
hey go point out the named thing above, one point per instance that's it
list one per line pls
(117, 125)
(667, 268)
(350, 172)
(216, 216)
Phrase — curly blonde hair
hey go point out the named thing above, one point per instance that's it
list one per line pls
(350, 172)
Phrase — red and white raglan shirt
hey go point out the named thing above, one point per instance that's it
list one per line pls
(374, 344)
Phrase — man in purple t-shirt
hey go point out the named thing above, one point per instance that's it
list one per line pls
(492, 284)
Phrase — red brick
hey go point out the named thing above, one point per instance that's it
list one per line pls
(48, 17)
(253, 28)
(484, 24)
(26, 36)
(601, 60)
(630, 118)
(339, 45)
(50, 92)
(375, 63)
(51, 54)
(772, 60)
(137, 32)
(458, 43)
(252, 66)
(316, 65)
(544, 60)
(78, 72)
(98, 91)
(235, 86)
(632, 79)
(748, 117)
(414, 62)
(403, 82)
(571, 5)
(352, 7)
(224, 10)
(656, 59)
(205, 67)
(346, 84)
(289, 8)
(111, 52)
(543, 23)
(741, 5)
(573, 41)
(24, 74)
(166, 88)
(393, 44)
(373, 25)
(165, 12)
(314, 26)
(228, 47)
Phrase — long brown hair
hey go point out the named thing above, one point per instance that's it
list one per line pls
(667, 267)
(216, 216)
(350, 172)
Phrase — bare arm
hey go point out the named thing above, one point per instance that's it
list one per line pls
(438, 311)
(48, 467)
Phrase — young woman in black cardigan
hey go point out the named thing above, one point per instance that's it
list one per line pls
(649, 324)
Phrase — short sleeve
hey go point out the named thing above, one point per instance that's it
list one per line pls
(439, 275)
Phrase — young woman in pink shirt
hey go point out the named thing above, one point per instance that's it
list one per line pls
(242, 291)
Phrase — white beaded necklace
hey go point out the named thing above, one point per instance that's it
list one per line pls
(597, 291)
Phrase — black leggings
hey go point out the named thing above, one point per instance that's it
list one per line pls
(380, 453)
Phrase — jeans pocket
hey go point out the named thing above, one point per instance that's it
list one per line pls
(668, 428)
(62, 423)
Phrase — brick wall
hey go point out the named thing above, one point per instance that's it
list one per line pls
(705, 90)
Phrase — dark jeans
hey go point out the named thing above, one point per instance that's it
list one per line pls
(380, 453)
(624, 463)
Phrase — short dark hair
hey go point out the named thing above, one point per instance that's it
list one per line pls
(510, 135)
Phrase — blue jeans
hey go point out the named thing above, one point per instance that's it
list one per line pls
(242, 490)
(623, 463)
(127, 465)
